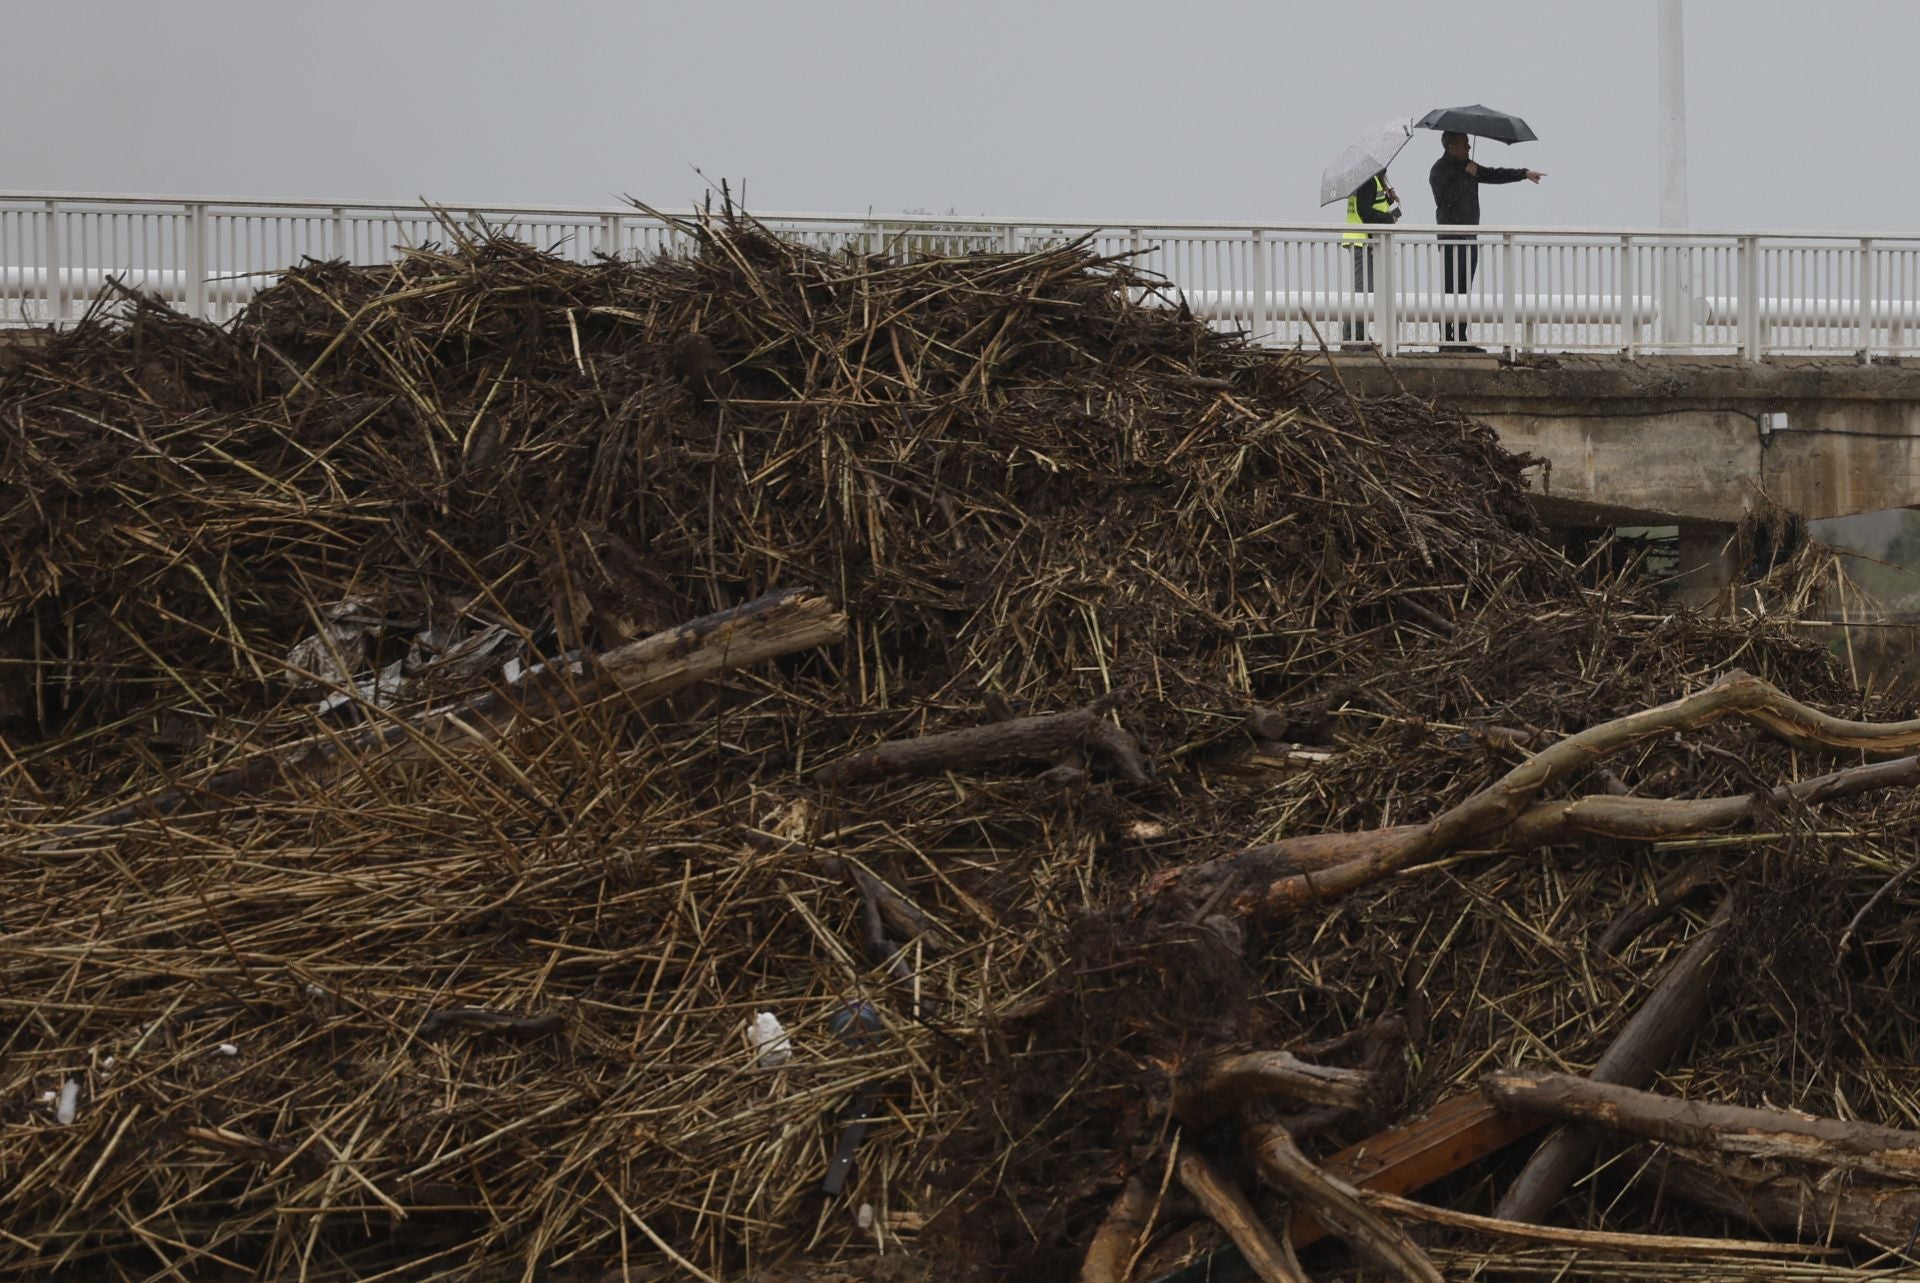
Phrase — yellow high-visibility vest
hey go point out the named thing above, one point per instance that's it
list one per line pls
(1382, 204)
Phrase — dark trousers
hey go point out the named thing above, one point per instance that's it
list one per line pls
(1459, 262)
(1355, 331)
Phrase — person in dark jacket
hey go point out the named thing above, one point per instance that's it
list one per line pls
(1372, 202)
(1455, 179)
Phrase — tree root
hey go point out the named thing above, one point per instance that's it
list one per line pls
(1338, 1204)
(1224, 1085)
(1112, 1248)
(1269, 1256)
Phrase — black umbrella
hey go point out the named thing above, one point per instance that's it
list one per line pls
(1480, 121)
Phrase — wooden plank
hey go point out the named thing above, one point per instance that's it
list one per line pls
(1399, 1160)
(1414, 1154)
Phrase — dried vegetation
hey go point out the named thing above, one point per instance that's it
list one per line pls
(478, 1009)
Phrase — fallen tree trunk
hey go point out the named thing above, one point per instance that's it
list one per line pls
(1650, 1038)
(1222, 1085)
(1789, 1203)
(777, 624)
(1507, 815)
(1695, 1124)
(1022, 739)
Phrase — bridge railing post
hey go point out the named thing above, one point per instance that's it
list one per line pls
(1509, 294)
(1386, 321)
(197, 261)
(1866, 299)
(56, 278)
(1675, 321)
(1629, 300)
(1751, 341)
(1257, 317)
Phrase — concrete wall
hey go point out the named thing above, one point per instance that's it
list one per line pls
(1679, 440)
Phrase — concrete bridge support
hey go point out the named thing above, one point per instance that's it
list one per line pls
(1696, 441)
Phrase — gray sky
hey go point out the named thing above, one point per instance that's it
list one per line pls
(1801, 114)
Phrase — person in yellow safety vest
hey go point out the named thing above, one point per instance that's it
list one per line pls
(1372, 202)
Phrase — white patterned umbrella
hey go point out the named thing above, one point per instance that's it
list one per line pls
(1371, 153)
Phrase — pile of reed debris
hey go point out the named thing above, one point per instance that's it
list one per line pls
(776, 764)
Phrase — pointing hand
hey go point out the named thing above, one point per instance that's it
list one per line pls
(1534, 175)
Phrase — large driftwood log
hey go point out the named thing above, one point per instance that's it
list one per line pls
(1508, 815)
(1222, 1085)
(1338, 1204)
(1271, 1258)
(646, 669)
(1789, 1203)
(1649, 1040)
(1599, 815)
(1701, 1125)
(1043, 738)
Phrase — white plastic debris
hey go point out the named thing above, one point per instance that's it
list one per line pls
(315, 991)
(226, 1049)
(69, 1105)
(771, 1045)
(331, 656)
(864, 1217)
(108, 1063)
(48, 1097)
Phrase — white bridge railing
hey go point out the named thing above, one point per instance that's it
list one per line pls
(1754, 294)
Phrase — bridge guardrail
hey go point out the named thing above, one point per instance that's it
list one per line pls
(1533, 289)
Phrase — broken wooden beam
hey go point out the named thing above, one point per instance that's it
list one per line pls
(1413, 1154)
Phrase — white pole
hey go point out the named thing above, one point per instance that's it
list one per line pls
(1673, 116)
(1677, 280)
